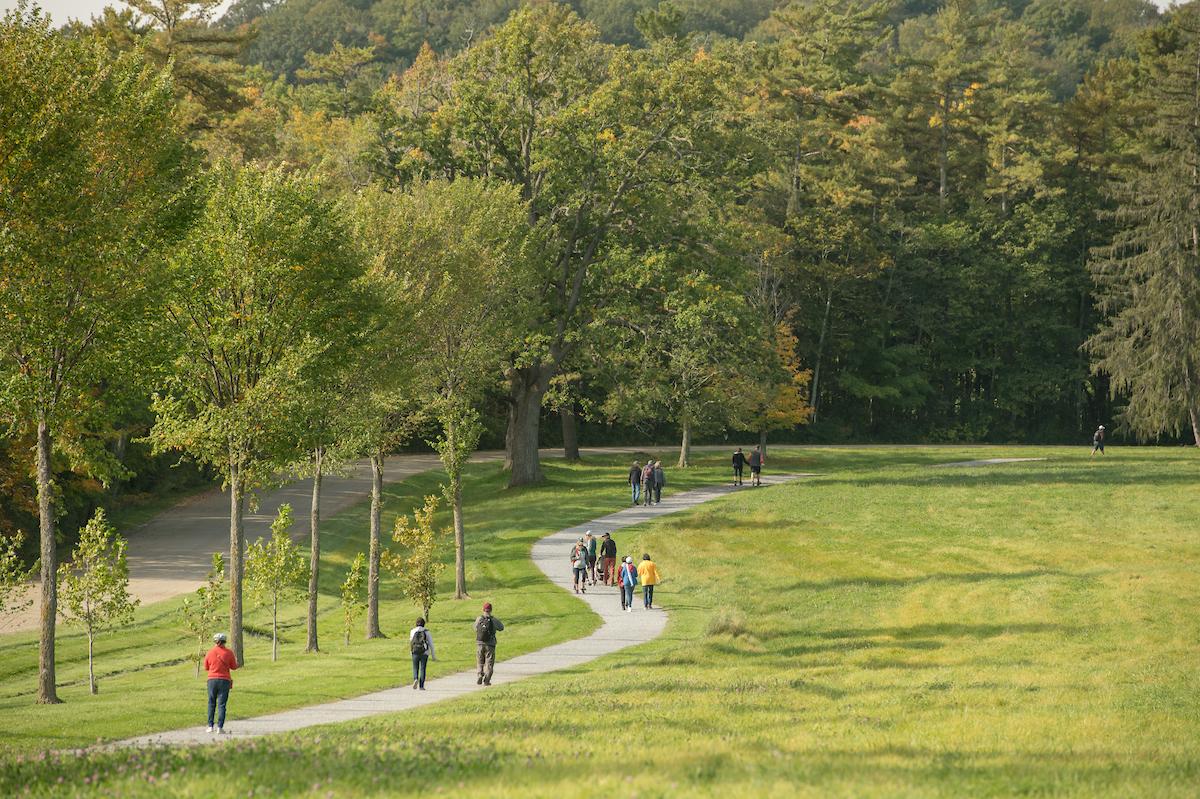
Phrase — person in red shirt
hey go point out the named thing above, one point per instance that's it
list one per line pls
(218, 663)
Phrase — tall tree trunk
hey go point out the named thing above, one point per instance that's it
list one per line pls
(685, 446)
(237, 559)
(460, 545)
(47, 692)
(570, 433)
(314, 561)
(815, 393)
(1195, 419)
(373, 630)
(524, 417)
(762, 441)
(91, 661)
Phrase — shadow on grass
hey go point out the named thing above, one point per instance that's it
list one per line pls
(961, 577)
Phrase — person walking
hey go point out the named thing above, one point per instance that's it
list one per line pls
(756, 463)
(648, 576)
(591, 555)
(486, 627)
(628, 578)
(579, 566)
(635, 480)
(608, 551)
(648, 482)
(420, 643)
(660, 480)
(218, 662)
(1098, 440)
(739, 462)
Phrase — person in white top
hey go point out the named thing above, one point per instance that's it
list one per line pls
(420, 642)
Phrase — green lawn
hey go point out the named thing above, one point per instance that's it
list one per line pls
(146, 684)
(886, 629)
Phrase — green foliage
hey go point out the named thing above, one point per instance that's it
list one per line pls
(1149, 276)
(200, 613)
(14, 575)
(275, 569)
(94, 586)
(418, 563)
(354, 602)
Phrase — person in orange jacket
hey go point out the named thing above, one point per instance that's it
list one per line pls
(648, 576)
(218, 663)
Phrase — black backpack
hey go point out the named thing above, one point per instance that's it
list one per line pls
(484, 629)
(419, 643)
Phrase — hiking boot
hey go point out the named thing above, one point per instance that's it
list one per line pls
(414, 685)
(480, 680)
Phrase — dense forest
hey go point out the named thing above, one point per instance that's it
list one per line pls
(829, 220)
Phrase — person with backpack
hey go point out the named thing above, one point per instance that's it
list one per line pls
(648, 576)
(579, 566)
(739, 461)
(486, 627)
(756, 463)
(608, 551)
(1098, 440)
(628, 579)
(635, 480)
(420, 643)
(648, 482)
(219, 661)
(660, 480)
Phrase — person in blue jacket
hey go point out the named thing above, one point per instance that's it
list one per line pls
(629, 579)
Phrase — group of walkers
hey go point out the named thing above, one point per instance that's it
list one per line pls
(590, 568)
(220, 661)
(647, 482)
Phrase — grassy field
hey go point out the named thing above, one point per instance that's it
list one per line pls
(147, 685)
(886, 629)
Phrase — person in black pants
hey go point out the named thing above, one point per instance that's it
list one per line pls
(608, 555)
(739, 462)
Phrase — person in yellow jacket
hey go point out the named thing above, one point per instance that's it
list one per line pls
(648, 576)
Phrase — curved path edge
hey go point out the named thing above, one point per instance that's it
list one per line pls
(619, 630)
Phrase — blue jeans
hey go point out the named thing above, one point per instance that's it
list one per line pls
(637, 492)
(628, 589)
(419, 664)
(648, 595)
(218, 696)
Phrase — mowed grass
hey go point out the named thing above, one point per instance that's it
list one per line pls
(146, 684)
(886, 629)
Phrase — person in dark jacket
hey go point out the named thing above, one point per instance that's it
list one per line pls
(756, 464)
(635, 480)
(648, 483)
(739, 462)
(660, 480)
(1098, 440)
(608, 555)
(486, 627)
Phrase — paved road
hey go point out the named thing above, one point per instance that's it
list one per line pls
(618, 631)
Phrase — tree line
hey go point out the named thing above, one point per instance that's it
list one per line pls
(966, 221)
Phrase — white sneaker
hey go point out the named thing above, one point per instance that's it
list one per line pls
(208, 729)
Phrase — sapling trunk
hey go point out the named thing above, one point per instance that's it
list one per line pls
(274, 627)
(91, 669)
(460, 555)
